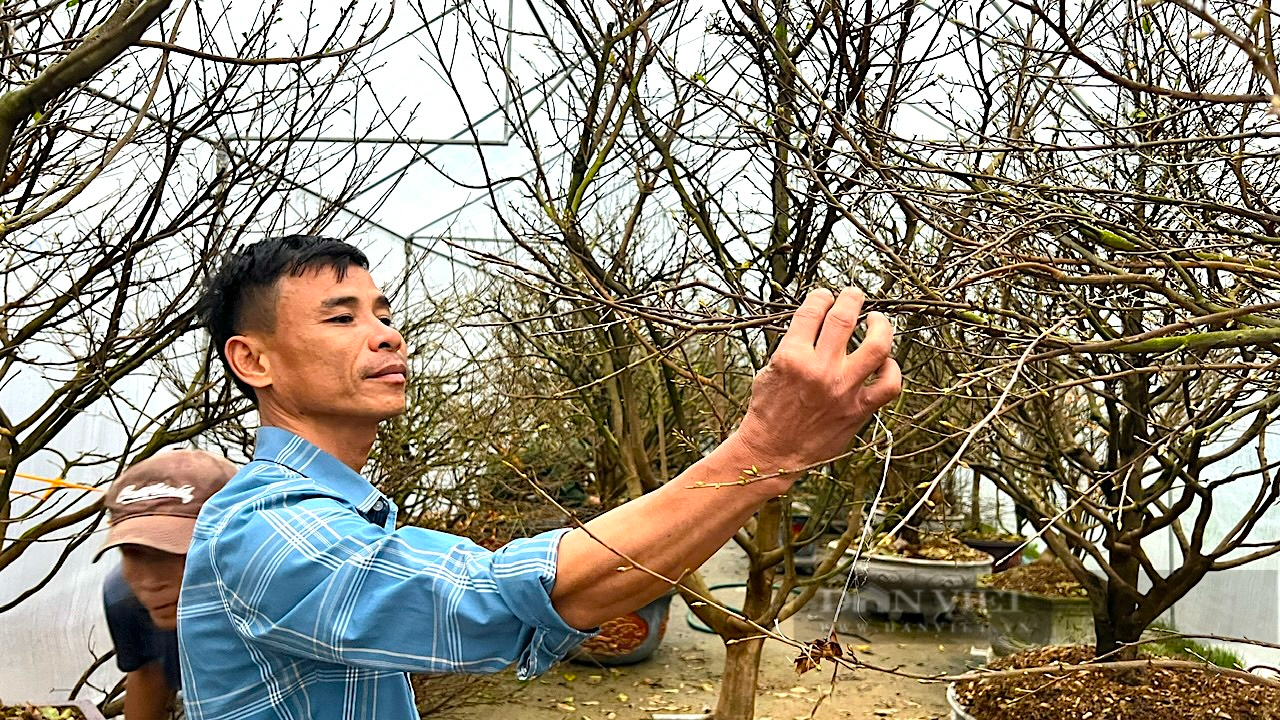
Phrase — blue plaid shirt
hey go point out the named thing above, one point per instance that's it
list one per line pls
(301, 600)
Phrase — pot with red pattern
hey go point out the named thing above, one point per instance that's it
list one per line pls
(628, 639)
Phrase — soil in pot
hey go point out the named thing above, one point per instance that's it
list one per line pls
(930, 547)
(1143, 694)
(1041, 577)
(39, 712)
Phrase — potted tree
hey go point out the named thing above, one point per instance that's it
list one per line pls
(1128, 438)
(1154, 687)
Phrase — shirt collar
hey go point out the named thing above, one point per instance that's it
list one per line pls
(283, 447)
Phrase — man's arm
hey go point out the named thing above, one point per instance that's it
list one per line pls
(806, 406)
(146, 693)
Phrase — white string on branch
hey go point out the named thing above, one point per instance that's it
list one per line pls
(866, 523)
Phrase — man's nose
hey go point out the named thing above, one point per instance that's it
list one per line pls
(386, 337)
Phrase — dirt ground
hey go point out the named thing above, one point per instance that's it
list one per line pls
(683, 675)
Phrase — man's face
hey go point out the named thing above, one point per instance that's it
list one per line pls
(333, 353)
(155, 577)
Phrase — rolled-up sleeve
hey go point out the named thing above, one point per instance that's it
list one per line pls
(306, 575)
(553, 638)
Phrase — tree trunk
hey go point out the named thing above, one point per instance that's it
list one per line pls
(1130, 447)
(1116, 635)
(6, 477)
(742, 657)
(1104, 632)
(1119, 624)
(975, 504)
(738, 686)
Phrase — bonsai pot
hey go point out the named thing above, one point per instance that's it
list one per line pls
(998, 549)
(897, 586)
(86, 708)
(623, 640)
(958, 711)
(943, 523)
(628, 639)
(1021, 620)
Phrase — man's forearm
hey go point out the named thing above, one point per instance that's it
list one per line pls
(147, 693)
(669, 531)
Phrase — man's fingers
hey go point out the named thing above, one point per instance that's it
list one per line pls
(885, 387)
(839, 323)
(870, 397)
(875, 347)
(807, 321)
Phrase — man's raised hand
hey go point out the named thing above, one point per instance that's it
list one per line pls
(811, 398)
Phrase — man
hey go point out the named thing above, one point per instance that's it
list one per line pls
(302, 600)
(152, 510)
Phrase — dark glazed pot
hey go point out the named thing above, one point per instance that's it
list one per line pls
(998, 549)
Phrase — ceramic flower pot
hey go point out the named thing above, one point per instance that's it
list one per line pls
(628, 639)
(998, 549)
(897, 586)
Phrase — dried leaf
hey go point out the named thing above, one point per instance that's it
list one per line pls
(814, 653)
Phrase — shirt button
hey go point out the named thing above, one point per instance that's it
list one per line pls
(380, 506)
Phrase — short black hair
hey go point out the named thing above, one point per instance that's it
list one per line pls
(241, 294)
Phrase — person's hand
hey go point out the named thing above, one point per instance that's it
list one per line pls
(811, 398)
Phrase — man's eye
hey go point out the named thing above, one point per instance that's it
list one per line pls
(342, 319)
(386, 321)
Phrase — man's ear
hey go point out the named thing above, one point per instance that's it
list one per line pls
(248, 360)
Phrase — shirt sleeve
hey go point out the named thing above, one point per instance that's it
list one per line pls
(129, 631)
(309, 576)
